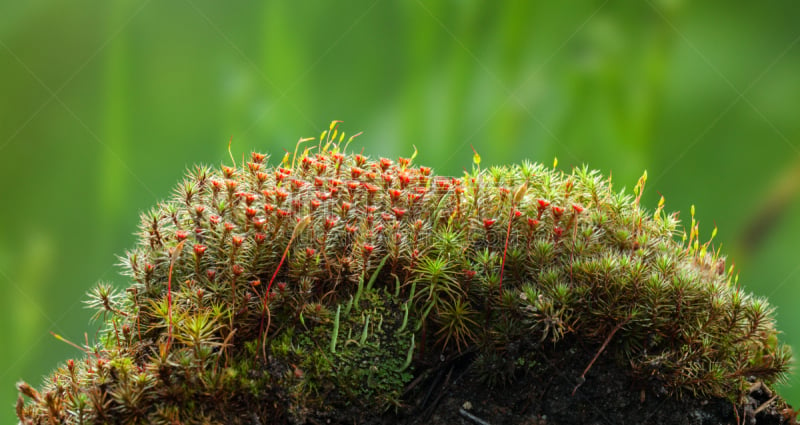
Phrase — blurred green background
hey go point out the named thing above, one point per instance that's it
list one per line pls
(105, 103)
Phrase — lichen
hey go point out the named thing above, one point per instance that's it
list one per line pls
(330, 281)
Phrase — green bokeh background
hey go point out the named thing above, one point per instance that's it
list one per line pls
(105, 103)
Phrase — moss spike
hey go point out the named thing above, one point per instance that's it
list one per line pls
(409, 355)
(364, 332)
(405, 308)
(335, 333)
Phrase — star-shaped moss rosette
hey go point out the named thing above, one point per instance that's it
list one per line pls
(266, 294)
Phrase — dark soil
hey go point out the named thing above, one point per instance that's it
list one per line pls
(452, 394)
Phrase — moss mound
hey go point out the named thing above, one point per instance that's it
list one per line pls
(333, 282)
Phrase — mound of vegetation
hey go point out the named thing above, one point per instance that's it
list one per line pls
(335, 287)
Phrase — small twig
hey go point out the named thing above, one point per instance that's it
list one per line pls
(764, 405)
(442, 392)
(472, 417)
(434, 385)
(414, 383)
(760, 386)
(582, 378)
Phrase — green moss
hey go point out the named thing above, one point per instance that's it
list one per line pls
(331, 281)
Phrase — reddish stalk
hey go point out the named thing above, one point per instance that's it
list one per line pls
(301, 225)
(62, 339)
(266, 296)
(518, 195)
(175, 254)
(269, 323)
(505, 248)
(582, 378)
(277, 269)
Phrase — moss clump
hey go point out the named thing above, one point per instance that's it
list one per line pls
(330, 281)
